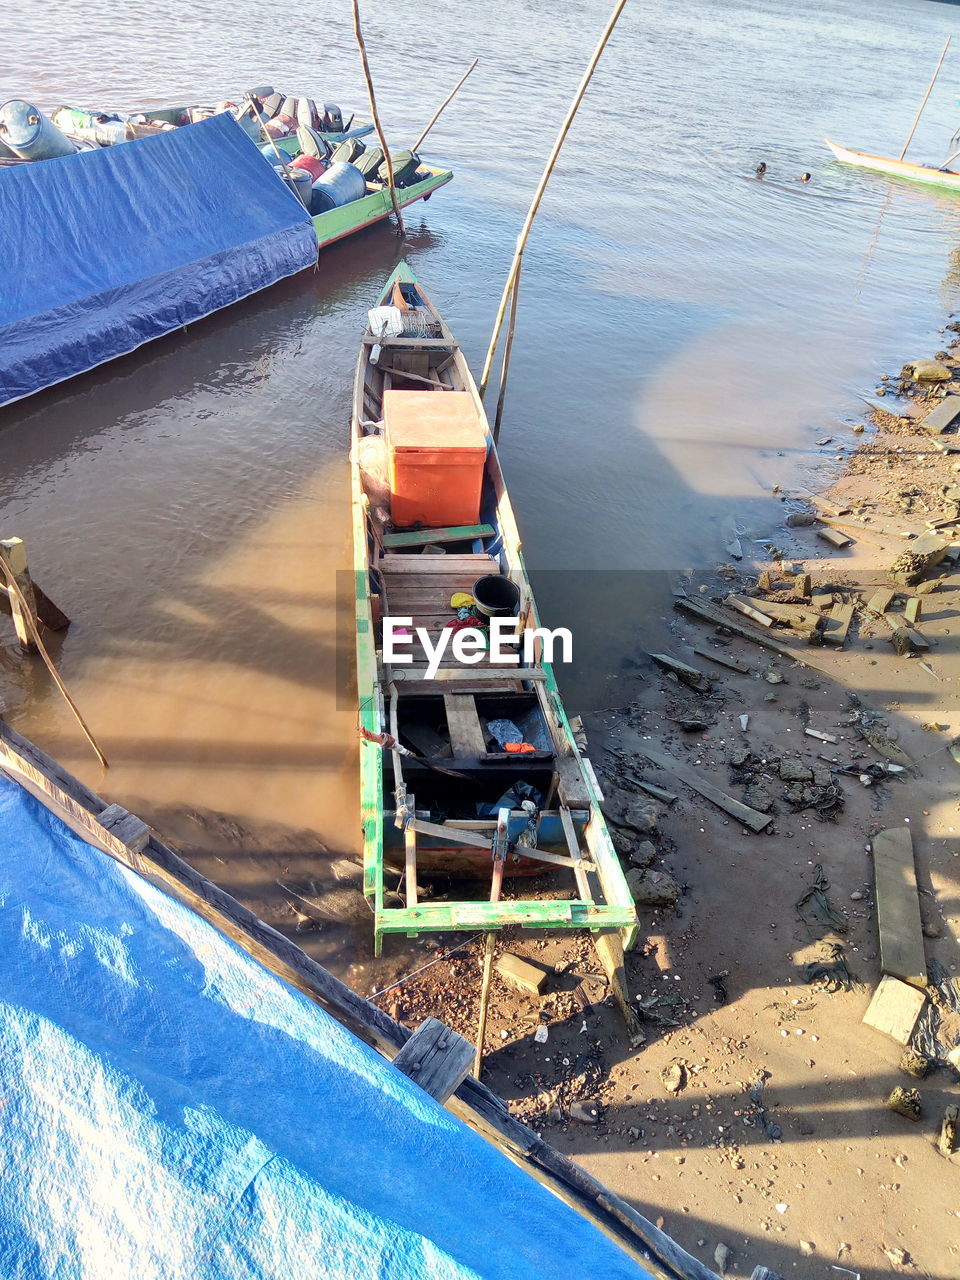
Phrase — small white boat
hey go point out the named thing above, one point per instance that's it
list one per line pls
(897, 168)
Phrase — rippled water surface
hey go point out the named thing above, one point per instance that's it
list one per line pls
(686, 334)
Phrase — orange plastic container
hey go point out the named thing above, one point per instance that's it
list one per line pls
(437, 446)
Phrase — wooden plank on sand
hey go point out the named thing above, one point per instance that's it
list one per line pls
(705, 612)
(836, 627)
(879, 602)
(736, 808)
(723, 659)
(898, 907)
(834, 537)
(938, 419)
(894, 1009)
(749, 610)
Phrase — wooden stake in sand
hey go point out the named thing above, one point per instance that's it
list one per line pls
(17, 596)
(376, 118)
(541, 187)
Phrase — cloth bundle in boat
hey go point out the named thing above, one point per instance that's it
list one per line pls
(173, 1109)
(107, 249)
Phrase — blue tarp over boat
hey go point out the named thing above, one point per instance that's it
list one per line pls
(171, 1108)
(105, 250)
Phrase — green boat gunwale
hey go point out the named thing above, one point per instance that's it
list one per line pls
(374, 206)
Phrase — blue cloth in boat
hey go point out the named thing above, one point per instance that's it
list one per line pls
(172, 1109)
(105, 250)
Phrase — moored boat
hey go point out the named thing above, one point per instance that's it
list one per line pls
(485, 777)
(928, 174)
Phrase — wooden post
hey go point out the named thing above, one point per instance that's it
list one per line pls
(496, 884)
(542, 186)
(376, 118)
(13, 553)
(916, 118)
(610, 950)
(444, 104)
(511, 330)
(17, 600)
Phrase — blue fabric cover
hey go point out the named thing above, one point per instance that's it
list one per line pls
(172, 1109)
(105, 250)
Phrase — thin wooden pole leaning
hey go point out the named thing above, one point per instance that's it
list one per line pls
(916, 118)
(376, 118)
(444, 104)
(17, 595)
(542, 186)
(511, 330)
(490, 941)
(284, 162)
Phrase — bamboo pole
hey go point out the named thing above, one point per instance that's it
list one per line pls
(490, 942)
(16, 594)
(544, 179)
(284, 162)
(916, 118)
(511, 330)
(376, 118)
(444, 104)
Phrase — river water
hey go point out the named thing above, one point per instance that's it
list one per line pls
(686, 334)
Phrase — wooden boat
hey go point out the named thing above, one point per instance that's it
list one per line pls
(152, 963)
(422, 811)
(897, 168)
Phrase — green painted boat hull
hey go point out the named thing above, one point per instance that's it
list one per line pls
(337, 223)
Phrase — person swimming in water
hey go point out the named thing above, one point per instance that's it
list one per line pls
(761, 169)
(804, 177)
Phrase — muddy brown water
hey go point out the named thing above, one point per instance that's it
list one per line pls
(687, 333)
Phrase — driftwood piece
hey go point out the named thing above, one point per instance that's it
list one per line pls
(689, 675)
(713, 655)
(735, 808)
(802, 616)
(720, 618)
(749, 609)
(837, 626)
(435, 1058)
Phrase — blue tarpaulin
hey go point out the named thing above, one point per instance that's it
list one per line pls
(105, 250)
(172, 1109)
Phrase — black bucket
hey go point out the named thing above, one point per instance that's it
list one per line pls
(496, 596)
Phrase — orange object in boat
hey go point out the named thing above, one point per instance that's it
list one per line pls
(519, 748)
(436, 450)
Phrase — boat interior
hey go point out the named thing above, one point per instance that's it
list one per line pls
(487, 739)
